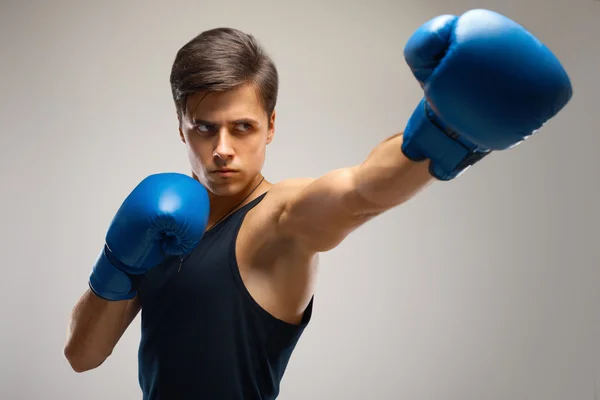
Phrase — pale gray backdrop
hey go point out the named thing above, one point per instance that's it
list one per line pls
(484, 288)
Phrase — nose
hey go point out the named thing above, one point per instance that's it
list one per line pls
(224, 147)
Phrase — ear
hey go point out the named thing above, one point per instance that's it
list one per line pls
(271, 131)
(181, 135)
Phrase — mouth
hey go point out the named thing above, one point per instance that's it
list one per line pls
(224, 172)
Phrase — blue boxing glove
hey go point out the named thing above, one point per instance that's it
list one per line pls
(489, 84)
(165, 215)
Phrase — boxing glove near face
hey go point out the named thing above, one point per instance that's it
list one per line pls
(488, 83)
(165, 215)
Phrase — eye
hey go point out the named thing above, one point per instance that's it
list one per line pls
(243, 127)
(204, 128)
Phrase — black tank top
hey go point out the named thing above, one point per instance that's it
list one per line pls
(203, 336)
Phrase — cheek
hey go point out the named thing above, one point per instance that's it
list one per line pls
(198, 150)
(197, 157)
(256, 153)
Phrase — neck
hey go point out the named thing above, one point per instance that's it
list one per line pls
(220, 206)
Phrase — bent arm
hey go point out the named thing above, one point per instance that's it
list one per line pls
(95, 327)
(327, 209)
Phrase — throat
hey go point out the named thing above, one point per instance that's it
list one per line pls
(221, 208)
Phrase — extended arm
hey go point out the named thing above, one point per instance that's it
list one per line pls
(326, 210)
(472, 106)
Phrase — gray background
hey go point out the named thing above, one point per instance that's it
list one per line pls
(484, 288)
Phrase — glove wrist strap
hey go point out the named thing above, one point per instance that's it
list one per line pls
(110, 282)
(425, 137)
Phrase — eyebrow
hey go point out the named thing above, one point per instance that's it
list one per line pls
(237, 121)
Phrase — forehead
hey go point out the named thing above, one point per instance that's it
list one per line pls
(236, 103)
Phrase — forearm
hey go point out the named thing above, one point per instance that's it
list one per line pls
(94, 328)
(387, 178)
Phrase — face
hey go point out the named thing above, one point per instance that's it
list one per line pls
(226, 134)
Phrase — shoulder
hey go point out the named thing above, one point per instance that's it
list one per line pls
(281, 194)
(285, 190)
(260, 241)
(263, 220)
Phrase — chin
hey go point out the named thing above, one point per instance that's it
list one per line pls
(225, 188)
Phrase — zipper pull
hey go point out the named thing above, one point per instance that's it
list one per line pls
(180, 263)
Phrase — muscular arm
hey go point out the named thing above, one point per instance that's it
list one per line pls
(325, 210)
(95, 327)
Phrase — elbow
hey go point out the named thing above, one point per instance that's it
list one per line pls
(81, 362)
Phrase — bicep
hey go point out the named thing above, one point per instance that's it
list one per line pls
(325, 210)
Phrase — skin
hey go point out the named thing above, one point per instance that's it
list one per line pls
(280, 239)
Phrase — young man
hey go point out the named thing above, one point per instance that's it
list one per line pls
(223, 264)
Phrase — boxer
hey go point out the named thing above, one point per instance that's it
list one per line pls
(222, 263)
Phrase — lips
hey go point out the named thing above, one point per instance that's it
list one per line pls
(225, 172)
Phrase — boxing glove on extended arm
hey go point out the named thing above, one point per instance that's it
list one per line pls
(165, 215)
(489, 84)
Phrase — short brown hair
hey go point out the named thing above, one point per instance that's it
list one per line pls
(222, 59)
